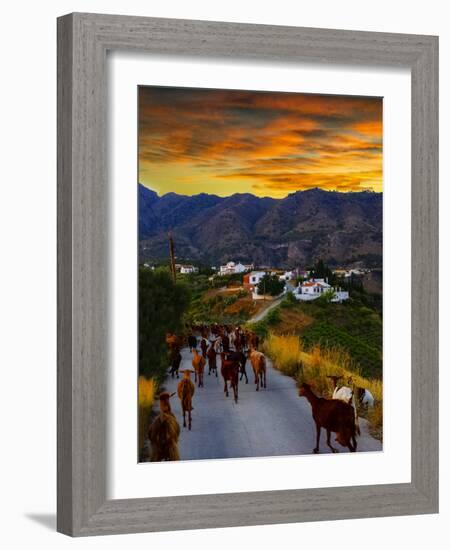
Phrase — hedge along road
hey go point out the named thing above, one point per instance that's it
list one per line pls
(271, 422)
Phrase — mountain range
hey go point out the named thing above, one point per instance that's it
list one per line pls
(340, 228)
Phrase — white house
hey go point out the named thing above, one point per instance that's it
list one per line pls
(287, 275)
(314, 288)
(188, 269)
(252, 279)
(340, 296)
(231, 268)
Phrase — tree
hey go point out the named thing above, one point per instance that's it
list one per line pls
(326, 297)
(270, 284)
(322, 271)
(162, 304)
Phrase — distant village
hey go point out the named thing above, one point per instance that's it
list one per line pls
(305, 287)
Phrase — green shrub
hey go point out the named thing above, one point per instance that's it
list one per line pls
(289, 301)
(162, 305)
(270, 284)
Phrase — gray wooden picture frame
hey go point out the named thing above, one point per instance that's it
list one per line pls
(83, 41)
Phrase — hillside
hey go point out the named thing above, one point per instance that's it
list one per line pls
(340, 228)
(351, 326)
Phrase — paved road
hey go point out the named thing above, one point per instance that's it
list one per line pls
(264, 312)
(271, 422)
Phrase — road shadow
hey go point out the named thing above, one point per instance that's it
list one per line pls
(46, 520)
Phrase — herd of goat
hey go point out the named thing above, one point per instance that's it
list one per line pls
(235, 346)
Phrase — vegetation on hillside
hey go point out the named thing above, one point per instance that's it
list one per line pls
(226, 306)
(221, 299)
(351, 326)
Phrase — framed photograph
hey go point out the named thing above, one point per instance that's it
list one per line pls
(247, 274)
(260, 226)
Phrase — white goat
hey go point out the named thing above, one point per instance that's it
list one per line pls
(343, 393)
(364, 397)
(232, 338)
(217, 344)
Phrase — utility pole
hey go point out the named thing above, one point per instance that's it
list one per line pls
(172, 258)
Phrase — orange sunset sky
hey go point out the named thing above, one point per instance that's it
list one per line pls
(265, 143)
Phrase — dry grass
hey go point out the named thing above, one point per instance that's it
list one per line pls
(243, 306)
(147, 390)
(375, 418)
(288, 356)
(286, 353)
(292, 321)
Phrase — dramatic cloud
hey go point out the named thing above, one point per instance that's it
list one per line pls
(265, 143)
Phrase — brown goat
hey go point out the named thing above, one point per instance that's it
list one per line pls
(212, 363)
(225, 342)
(203, 346)
(175, 362)
(333, 415)
(242, 357)
(173, 341)
(230, 373)
(346, 395)
(198, 362)
(185, 391)
(252, 340)
(164, 432)
(258, 361)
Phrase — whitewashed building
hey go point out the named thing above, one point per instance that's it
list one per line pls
(314, 288)
(231, 268)
(186, 269)
(287, 276)
(252, 279)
